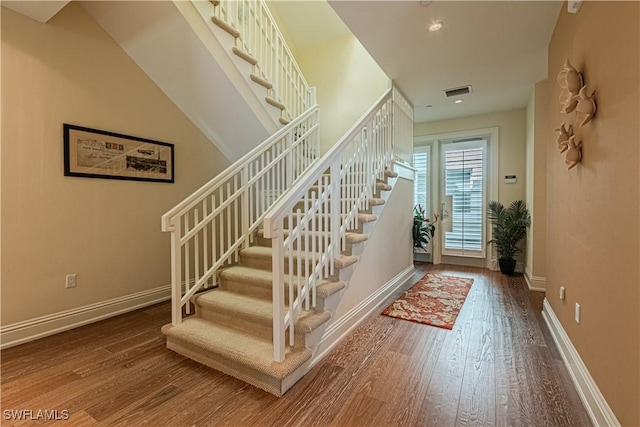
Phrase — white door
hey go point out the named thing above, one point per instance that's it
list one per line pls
(463, 196)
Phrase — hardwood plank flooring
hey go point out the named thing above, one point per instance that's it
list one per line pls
(498, 366)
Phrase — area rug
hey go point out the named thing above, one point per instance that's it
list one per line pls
(435, 300)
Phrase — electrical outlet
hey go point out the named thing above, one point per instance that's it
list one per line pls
(561, 293)
(72, 280)
(577, 313)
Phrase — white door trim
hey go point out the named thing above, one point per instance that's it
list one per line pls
(493, 163)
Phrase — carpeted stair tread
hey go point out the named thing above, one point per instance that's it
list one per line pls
(228, 28)
(351, 237)
(365, 217)
(261, 252)
(247, 350)
(362, 216)
(257, 310)
(311, 321)
(390, 174)
(274, 102)
(345, 261)
(244, 55)
(261, 81)
(381, 186)
(329, 288)
(264, 278)
(356, 237)
(376, 201)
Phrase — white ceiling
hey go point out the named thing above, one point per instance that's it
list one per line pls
(498, 47)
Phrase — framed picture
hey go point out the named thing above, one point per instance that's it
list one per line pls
(94, 153)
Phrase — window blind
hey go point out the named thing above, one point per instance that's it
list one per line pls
(464, 183)
(421, 183)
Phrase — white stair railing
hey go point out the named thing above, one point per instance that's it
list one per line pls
(324, 205)
(261, 38)
(210, 227)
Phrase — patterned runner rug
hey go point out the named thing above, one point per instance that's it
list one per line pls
(435, 300)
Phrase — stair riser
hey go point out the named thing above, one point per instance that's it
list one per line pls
(302, 243)
(261, 241)
(252, 289)
(320, 221)
(266, 264)
(259, 289)
(301, 206)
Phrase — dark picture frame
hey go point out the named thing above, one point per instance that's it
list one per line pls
(94, 153)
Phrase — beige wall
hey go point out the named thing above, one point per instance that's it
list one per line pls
(593, 239)
(511, 125)
(536, 184)
(105, 231)
(348, 81)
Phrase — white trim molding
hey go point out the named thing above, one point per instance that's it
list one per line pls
(40, 327)
(339, 329)
(535, 283)
(594, 402)
(493, 170)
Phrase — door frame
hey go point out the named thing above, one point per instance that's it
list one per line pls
(492, 134)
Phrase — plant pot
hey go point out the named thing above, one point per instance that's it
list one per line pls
(507, 266)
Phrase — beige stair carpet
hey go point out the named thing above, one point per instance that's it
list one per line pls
(232, 328)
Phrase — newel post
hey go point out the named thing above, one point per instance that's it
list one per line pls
(277, 267)
(176, 274)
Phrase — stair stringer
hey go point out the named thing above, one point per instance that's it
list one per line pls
(170, 42)
(382, 269)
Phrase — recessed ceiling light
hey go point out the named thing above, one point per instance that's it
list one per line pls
(435, 26)
(458, 101)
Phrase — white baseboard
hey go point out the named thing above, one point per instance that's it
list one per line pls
(597, 407)
(339, 329)
(32, 329)
(535, 283)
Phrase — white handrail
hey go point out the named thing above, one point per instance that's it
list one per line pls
(261, 38)
(321, 208)
(210, 227)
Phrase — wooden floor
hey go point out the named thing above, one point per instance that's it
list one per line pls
(498, 366)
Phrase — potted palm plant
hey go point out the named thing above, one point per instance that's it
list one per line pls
(509, 226)
(423, 227)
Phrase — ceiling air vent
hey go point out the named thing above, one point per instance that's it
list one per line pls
(457, 91)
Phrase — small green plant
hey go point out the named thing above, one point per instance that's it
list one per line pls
(509, 228)
(423, 227)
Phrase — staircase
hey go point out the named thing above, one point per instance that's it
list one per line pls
(263, 253)
(232, 327)
(259, 43)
